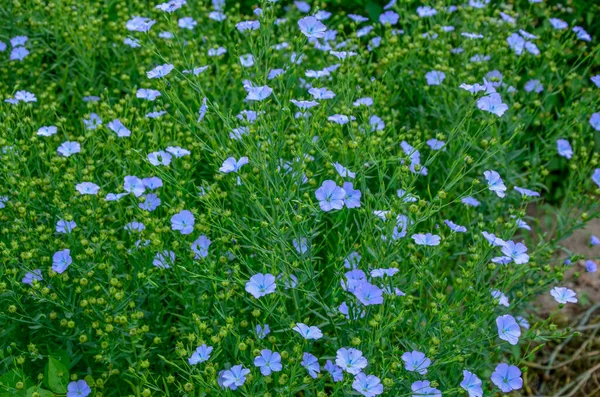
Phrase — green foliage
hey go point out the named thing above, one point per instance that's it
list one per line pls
(128, 327)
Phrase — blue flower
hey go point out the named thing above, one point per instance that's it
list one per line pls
(30, 277)
(591, 266)
(422, 388)
(558, 24)
(202, 111)
(247, 25)
(215, 52)
(426, 11)
(336, 372)
(87, 188)
(233, 165)
(117, 127)
(164, 259)
(18, 41)
(493, 240)
(247, 60)
(69, 148)
(339, 119)
(133, 184)
(268, 362)
(273, 73)
(389, 17)
(595, 121)
(187, 23)
(321, 93)
(311, 363)
(516, 42)
(307, 332)
(135, 226)
(139, 24)
(63, 226)
(507, 377)
(596, 177)
(201, 354)
(311, 27)
(357, 18)
(24, 96)
(149, 95)
(367, 101)
(367, 385)
(304, 104)
(581, 33)
(234, 377)
(350, 360)
(435, 144)
(217, 16)
(376, 123)
(79, 388)
(322, 15)
(61, 260)
(18, 53)
(200, 247)
(416, 361)
(160, 158)
(508, 329)
(258, 93)
(150, 203)
(352, 196)
(262, 331)
(93, 122)
(516, 252)
(427, 239)
(402, 222)
(492, 103)
(563, 295)
(330, 196)
(564, 148)
(501, 298)
(495, 183)
(377, 273)
(471, 384)
(115, 197)
(470, 201)
(302, 6)
(435, 77)
(160, 71)
(170, 6)
(300, 246)
(152, 183)
(352, 260)
(534, 85)
(526, 192)
(353, 280)
(368, 294)
(454, 227)
(47, 131)
(183, 221)
(343, 171)
(260, 285)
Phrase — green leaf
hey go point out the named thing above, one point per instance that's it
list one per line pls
(63, 356)
(374, 10)
(10, 379)
(58, 376)
(89, 380)
(41, 392)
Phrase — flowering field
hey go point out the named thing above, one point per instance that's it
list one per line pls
(290, 199)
